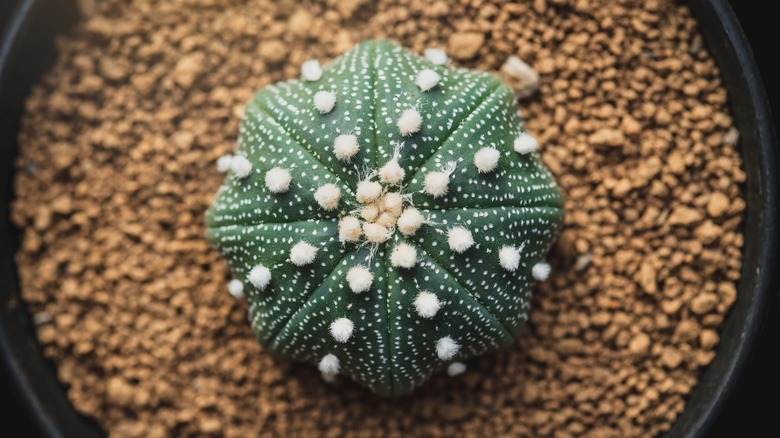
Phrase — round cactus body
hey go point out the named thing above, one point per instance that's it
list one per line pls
(387, 216)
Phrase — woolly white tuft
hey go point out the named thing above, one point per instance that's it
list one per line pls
(427, 79)
(370, 212)
(349, 229)
(403, 256)
(359, 279)
(410, 122)
(324, 101)
(224, 162)
(436, 56)
(376, 233)
(486, 159)
(302, 253)
(427, 304)
(236, 288)
(509, 257)
(410, 221)
(259, 276)
(393, 203)
(345, 146)
(329, 364)
(436, 183)
(368, 191)
(391, 173)
(341, 329)
(460, 239)
(541, 271)
(278, 180)
(446, 348)
(311, 70)
(525, 144)
(456, 368)
(328, 196)
(386, 220)
(240, 166)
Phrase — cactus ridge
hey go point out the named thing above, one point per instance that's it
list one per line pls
(386, 216)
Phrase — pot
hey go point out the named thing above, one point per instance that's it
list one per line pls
(27, 50)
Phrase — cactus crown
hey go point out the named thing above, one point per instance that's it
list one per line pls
(387, 216)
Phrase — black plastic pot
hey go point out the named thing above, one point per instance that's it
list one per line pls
(27, 50)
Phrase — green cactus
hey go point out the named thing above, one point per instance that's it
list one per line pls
(387, 216)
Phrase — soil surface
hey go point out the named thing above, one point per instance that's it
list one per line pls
(117, 165)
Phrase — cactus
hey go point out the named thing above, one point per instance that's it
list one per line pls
(386, 216)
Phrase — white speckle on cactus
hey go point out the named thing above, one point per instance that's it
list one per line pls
(259, 277)
(427, 304)
(359, 279)
(436, 183)
(410, 221)
(446, 348)
(456, 368)
(427, 79)
(403, 256)
(324, 101)
(410, 122)
(368, 191)
(311, 70)
(224, 162)
(460, 239)
(236, 288)
(486, 159)
(525, 143)
(345, 146)
(341, 329)
(240, 166)
(349, 229)
(329, 364)
(436, 56)
(328, 196)
(302, 253)
(509, 257)
(541, 271)
(277, 180)
(391, 173)
(376, 233)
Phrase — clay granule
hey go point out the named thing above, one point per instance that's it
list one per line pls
(117, 166)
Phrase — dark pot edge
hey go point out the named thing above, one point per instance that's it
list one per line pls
(700, 421)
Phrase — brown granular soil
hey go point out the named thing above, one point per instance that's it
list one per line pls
(116, 168)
